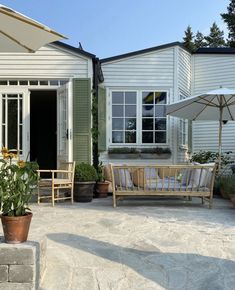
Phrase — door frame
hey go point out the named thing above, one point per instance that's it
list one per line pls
(25, 116)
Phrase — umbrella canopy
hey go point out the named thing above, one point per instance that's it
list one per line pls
(18, 33)
(216, 105)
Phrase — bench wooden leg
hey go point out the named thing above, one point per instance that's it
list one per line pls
(203, 201)
(114, 201)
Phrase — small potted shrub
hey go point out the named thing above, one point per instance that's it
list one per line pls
(102, 186)
(17, 180)
(227, 187)
(84, 181)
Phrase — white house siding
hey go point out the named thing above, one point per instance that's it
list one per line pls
(184, 72)
(156, 70)
(150, 69)
(50, 61)
(184, 88)
(210, 72)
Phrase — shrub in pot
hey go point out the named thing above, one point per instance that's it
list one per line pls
(227, 187)
(84, 181)
(102, 185)
(17, 180)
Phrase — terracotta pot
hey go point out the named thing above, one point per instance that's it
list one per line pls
(83, 191)
(224, 193)
(102, 188)
(16, 228)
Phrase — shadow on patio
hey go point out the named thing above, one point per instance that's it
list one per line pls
(170, 270)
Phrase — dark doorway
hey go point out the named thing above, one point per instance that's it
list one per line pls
(43, 143)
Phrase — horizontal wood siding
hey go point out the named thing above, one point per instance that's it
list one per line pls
(184, 88)
(47, 62)
(151, 69)
(184, 72)
(211, 72)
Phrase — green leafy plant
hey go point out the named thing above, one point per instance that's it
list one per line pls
(209, 156)
(100, 172)
(133, 150)
(227, 184)
(156, 150)
(85, 172)
(123, 150)
(17, 180)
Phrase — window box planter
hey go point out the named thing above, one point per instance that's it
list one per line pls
(155, 156)
(141, 153)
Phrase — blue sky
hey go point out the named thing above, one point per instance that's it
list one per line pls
(111, 27)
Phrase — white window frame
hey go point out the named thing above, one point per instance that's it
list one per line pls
(183, 129)
(138, 118)
(25, 113)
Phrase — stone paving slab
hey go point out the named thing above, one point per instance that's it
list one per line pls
(141, 245)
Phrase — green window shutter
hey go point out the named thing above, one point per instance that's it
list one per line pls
(82, 120)
(102, 119)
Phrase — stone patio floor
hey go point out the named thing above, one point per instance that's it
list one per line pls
(141, 245)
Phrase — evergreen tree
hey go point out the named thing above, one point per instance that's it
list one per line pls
(188, 39)
(216, 37)
(229, 19)
(199, 40)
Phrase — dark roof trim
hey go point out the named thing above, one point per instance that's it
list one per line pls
(73, 49)
(168, 45)
(216, 50)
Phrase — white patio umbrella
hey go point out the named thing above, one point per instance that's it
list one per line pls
(18, 33)
(216, 105)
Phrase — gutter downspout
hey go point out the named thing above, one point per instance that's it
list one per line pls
(97, 78)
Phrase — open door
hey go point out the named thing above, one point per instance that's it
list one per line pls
(64, 123)
(14, 121)
(43, 128)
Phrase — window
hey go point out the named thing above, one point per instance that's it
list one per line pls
(124, 117)
(183, 132)
(153, 117)
(12, 121)
(139, 117)
(183, 128)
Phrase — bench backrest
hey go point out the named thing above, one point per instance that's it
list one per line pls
(163, 177)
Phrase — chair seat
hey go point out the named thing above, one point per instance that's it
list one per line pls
(57, 181)
(57, 185)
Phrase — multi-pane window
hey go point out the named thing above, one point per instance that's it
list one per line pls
(183, 128)
(12, 121)
(153, 117)
(183, 132)
(139, 117)
(124, 117)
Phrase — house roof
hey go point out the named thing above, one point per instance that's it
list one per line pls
(215, 50)
(73, 49)
(133, 53)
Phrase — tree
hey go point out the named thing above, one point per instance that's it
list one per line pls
(229, 19)
(199, 40)
(216, 37)
(188, 39)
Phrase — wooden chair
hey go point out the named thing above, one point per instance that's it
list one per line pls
(61, 179)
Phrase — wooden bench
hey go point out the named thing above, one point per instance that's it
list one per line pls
(163, 180)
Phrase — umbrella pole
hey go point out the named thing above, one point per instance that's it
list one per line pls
(220, 138)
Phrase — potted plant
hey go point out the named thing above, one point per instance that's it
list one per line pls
(102, 186)
(17, 180)
(227, 187)
(84, 181)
